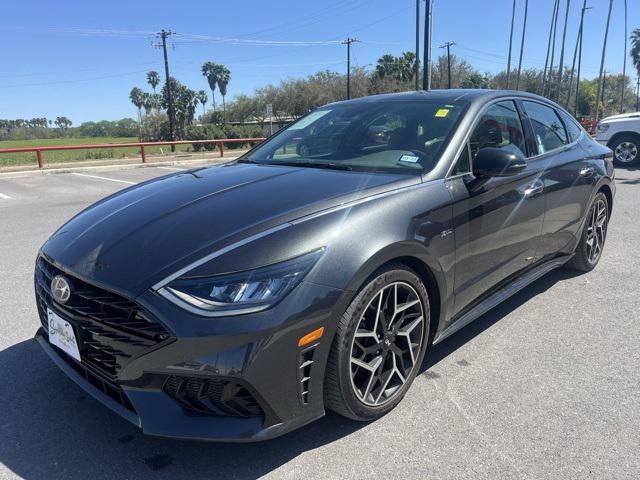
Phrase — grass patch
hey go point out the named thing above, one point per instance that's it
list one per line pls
(29, 158)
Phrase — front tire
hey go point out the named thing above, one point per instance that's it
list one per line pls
(626, 151)
(592, 238)
(379, 346)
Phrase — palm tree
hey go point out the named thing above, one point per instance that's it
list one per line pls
(210, 71)
(201, 97)
(153, 79)
(224, 76)
(385, 65)
(137, 98)
(147, 102)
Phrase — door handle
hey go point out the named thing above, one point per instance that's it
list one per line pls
(533, 189)
(587, 172)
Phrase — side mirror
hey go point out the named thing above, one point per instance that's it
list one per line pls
(497, 162)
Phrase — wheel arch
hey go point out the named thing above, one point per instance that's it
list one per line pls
(621, 134)
(606, 189)
(415, 257)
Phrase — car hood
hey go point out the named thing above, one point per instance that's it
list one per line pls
(135, 238)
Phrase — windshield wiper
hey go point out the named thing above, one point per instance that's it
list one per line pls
(328, 165)
(331, 166)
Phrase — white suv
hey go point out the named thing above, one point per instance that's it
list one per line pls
(621, 133)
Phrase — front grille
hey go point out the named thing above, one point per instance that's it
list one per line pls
(213, 396)
(110, 329)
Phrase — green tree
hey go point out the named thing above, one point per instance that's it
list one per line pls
(153, 79)
(63, 123)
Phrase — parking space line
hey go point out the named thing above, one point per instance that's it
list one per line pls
(172, 168)
(5, 197)
(104, 178)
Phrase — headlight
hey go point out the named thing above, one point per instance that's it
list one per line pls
(603, 127)
(241, 292)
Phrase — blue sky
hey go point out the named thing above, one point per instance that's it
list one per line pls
(72, 58)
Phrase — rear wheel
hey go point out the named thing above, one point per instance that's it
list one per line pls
(626, 150)
(379, 345)
(593, 236)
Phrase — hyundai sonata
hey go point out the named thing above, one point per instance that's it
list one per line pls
(237, 302)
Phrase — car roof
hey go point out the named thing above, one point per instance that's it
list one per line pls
(445, 95)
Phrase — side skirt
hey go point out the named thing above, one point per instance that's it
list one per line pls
(501, 295)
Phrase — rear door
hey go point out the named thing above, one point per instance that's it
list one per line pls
(497, 227)
(568, 175)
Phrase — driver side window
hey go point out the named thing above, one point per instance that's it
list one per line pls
(499, 127)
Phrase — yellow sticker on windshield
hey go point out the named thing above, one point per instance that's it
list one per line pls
(442, 112)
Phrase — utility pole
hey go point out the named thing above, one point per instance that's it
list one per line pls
(163, 34)
(546, 59)
(564, 39)
(575, 52)
(426, 77)
(448, 46)
(604, 50)
(417, 62)
(580, 35)
(513, 17)
(348, 43)
(638, 94)
(624, 65)
(524, 31)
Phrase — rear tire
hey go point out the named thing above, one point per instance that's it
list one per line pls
(379, 345)
(626, 150)
(593, 236)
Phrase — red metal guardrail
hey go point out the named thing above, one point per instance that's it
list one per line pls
(141, 145)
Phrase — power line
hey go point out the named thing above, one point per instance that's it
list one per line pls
(77, 80)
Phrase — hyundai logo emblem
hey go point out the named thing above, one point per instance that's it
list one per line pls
(60, 289)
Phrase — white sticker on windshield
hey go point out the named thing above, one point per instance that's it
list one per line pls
(409, 158)
(309, 119)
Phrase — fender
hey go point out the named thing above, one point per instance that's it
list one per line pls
(413, 252)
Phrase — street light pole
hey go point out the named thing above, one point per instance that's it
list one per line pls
(600, 93)
(524, 31)
(513, 17)
(417, 61)
(579, 47)
(575, 54)
(426, 77)
(624, 65)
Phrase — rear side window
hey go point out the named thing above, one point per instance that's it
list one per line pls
(548, 131)
(573, 129)
(499, 127)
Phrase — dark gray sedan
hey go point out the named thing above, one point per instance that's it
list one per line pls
(237, 302)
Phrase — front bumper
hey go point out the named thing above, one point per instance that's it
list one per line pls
(226, 379)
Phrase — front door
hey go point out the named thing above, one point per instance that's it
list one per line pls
(497, 227)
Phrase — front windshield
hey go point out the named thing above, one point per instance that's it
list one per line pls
(402, 137)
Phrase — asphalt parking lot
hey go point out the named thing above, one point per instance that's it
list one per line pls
(546, 385)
